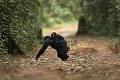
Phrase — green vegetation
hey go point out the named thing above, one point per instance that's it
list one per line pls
(18, 21)
(102, 16)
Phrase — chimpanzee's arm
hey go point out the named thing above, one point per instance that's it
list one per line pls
(44, 47)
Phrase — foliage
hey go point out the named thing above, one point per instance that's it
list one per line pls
(19, 18)
(58, 11)
(102, 16)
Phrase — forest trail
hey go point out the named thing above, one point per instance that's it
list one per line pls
(91, 58)
(63, 29)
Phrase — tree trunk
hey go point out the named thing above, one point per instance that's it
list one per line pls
(81, 26)
(39, 35)
(11, 45)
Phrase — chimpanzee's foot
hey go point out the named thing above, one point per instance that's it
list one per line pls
(65, 58)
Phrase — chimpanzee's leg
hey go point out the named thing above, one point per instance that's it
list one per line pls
(62, 53)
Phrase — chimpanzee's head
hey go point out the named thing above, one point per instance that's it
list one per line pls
(53, 34)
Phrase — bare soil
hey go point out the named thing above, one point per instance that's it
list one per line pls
(91, 58)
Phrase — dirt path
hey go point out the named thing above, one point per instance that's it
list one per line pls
(63, 29)
(91, 58)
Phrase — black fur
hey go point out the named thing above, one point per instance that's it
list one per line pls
(58, 43)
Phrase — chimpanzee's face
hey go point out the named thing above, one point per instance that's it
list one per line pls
(53, 34)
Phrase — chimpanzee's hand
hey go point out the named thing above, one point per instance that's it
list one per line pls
(37, 57)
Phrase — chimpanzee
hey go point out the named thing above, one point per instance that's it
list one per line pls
(58, 43)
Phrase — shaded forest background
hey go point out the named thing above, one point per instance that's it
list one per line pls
(21, 21)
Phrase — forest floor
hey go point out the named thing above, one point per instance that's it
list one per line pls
(91, 58)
